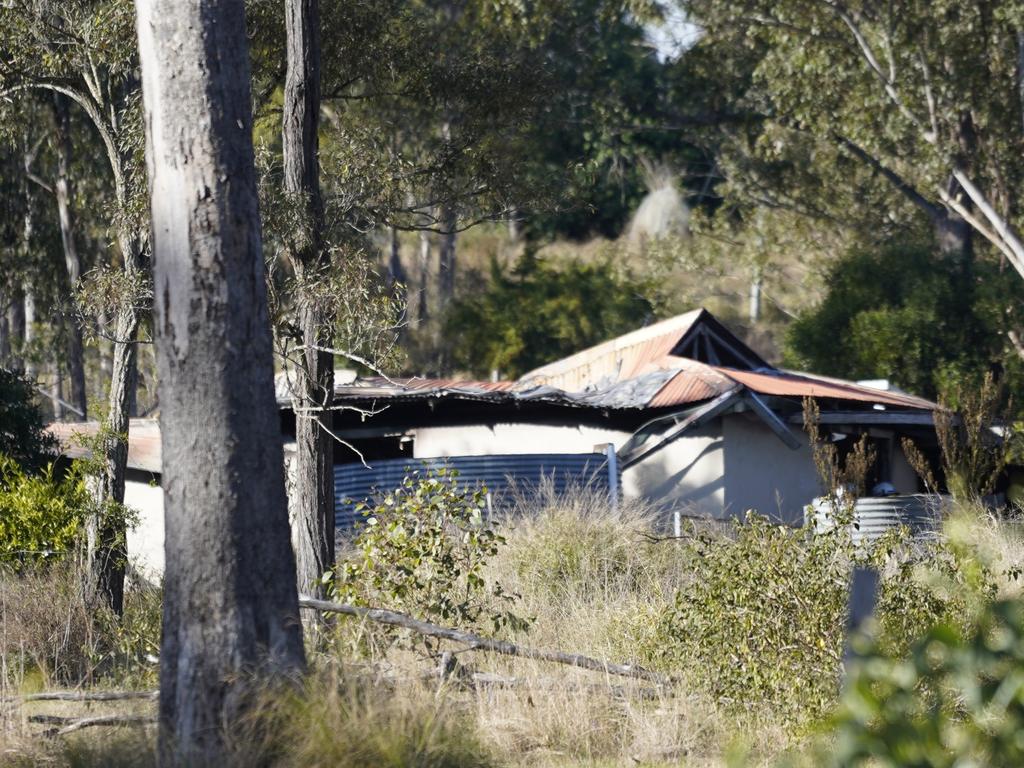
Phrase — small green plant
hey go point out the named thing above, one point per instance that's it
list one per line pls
(40, 514)
(423, 549)
(761, 622)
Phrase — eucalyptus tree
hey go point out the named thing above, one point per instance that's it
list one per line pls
(84, 50)
(925, 97)
(230, 606)
(312, 502)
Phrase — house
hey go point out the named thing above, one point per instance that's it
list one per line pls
(700, 424)
(681, 413)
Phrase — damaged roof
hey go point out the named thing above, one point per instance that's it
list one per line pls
(677, 363)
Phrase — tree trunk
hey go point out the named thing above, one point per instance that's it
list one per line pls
(396, 270)
(446, 257)
(312, 511)
(754, 308)
(446, 252)
(422, 303)
(73, 262)
(106, 530)
(28, 351)
(16, 329)
(230, 603)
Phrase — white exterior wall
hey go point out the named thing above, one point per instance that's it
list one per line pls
(764, 474)
(146, 539)
(687, 474)
(486, 440)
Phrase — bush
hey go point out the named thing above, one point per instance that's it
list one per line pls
(23, 436)
(955, 699)
(40, 514)
(423, 549)
(762, 625)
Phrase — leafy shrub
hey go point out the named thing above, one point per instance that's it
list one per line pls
(423, 549)
(956, 699)
(762, 621)
(40, 514)
(762, 625)
(23, 437)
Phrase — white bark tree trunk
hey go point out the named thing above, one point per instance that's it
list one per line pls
(230, 603)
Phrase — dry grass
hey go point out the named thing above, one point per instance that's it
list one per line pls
(593, 581)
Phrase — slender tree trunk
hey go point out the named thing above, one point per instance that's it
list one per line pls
(16, 329)
(754, 308)
(423, 304)
(28, 351)
(106, 530)
(312, 510)
(73, 262)
(396, 270)
(57, 392)
(446, 252)
(446, 257)
(230, 603)
(5, 337)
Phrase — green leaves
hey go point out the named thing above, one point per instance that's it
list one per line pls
(541, 311)
(423, 549)
(957, 699)
(40, 515)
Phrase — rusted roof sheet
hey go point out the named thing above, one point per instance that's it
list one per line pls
(144, 451)
(791, 384)
(693, 382)
(620, 358)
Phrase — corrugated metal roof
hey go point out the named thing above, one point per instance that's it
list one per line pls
(620, 358)
(144, 452)
(791, 384)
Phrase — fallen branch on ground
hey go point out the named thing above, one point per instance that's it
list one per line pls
(87, 695)
(72, 724)
(476, 642)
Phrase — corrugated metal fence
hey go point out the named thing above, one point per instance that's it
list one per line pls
(355, 483)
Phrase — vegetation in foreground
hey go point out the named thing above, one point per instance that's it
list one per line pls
(748, 620)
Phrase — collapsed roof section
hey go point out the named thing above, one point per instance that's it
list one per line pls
(683, 371)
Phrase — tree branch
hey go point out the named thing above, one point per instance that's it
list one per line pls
(476, 642)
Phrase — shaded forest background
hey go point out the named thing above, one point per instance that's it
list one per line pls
(505, 183)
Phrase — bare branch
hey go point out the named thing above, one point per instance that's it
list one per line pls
(476, 642)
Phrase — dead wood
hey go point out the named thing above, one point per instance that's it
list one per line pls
(476, 642)
(87, 696)
(71, 724)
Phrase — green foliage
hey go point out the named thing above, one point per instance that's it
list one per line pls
(542, 311)
(40, 514)
(956, 699)
(902, 313)
(423, 549)
(22, 430)
(762, 623)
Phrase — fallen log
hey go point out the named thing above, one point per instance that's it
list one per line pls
(477, 642)
(72, 724)
(87, 696)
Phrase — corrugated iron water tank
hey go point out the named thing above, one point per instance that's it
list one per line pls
(873, 516)
(356, 483)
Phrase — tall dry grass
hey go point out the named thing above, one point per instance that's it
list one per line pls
(593, 580)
